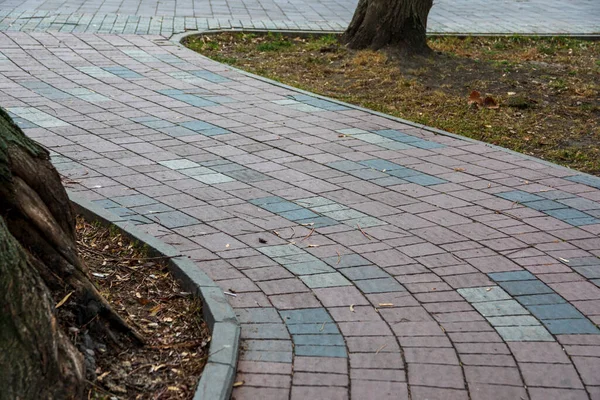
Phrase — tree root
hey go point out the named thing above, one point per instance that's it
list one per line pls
(38, 251)
(36, 220)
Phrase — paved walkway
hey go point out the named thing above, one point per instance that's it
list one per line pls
(365, 258)
(165, 17)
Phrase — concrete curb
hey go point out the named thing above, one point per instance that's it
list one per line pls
(216, 382)
(178, 38)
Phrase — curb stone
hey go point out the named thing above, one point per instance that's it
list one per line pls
(216, 381)
(179, 37)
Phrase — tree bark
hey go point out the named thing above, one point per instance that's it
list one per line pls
(37, 360)
(38, 251)
(400, 24)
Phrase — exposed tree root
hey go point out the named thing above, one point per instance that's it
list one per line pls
(38, 250)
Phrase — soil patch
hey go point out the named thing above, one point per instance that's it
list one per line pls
(547, 89)
(143, 291)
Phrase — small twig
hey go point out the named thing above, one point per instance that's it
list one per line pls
(100, 388)
(517, 250)
(183, 345)
(509, 215)
(363, 232)
(113, 258)
(141, 367)
(381, 348)
(309, 234)
(89, 322)
(339, 257)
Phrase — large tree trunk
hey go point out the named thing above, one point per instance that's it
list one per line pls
(401, 24)
(37, 252)
(36, 359)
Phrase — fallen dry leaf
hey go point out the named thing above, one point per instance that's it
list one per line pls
(475, 98)
(155, 310)
(155, 368)
(64, 300)
(477, 101)
(490, 102)
(103, 375)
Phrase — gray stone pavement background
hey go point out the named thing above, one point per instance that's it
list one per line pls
(368, 259)
(578, 17)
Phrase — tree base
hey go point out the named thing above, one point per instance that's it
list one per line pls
(38, 251)
(397, 24)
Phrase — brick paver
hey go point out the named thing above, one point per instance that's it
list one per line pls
(365, 258)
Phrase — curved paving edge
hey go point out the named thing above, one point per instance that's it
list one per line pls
(178, 39)
(216, 381)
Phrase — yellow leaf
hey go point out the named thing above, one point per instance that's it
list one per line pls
(104, 375)
(63, 301)
(155, 310)
(238, 383)
(157, 367)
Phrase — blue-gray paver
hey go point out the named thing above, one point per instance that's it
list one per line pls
(379, 285)
(519, 288)
(555, 311)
